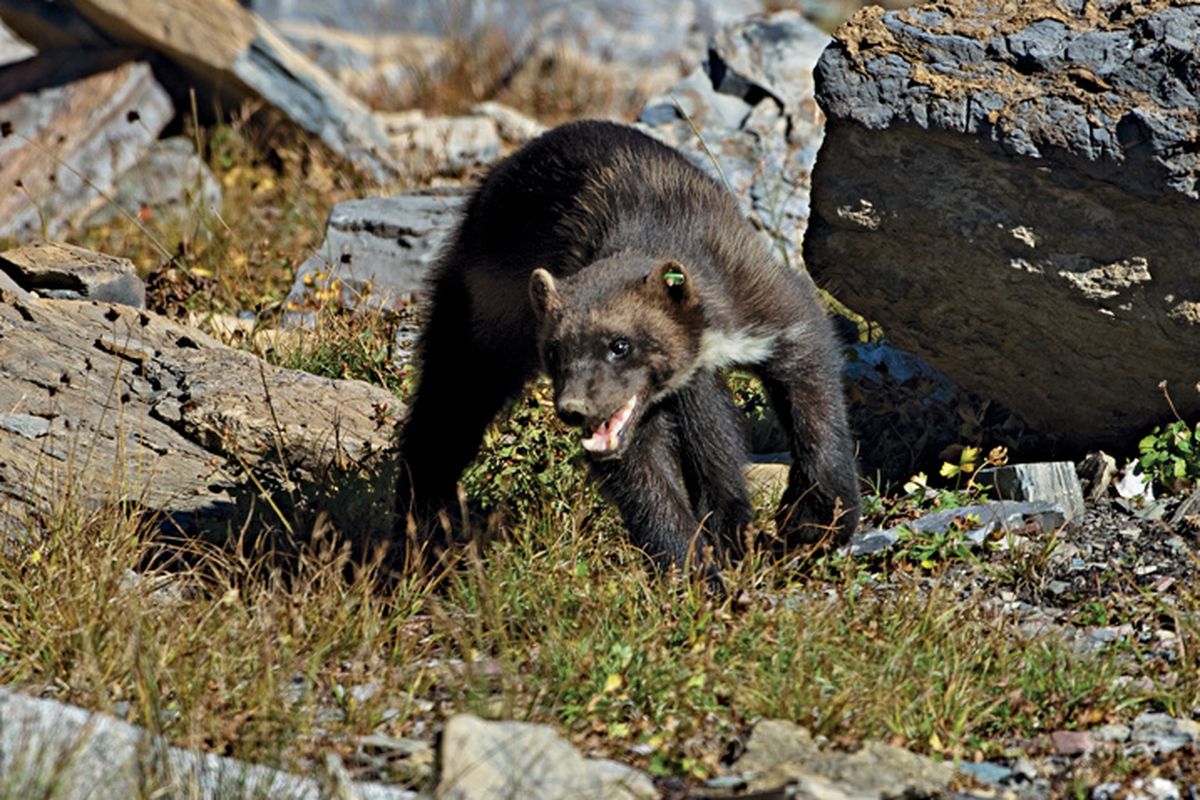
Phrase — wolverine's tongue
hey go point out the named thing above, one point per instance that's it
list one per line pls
(607, 437)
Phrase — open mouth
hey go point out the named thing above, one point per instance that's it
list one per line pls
(606, 439)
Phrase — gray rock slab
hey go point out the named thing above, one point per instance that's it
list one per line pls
(377, 251)
(1011, 196)
(63, 271)
(990, 520)
(110, 404)
(77, 121)
(1164, 733)
(780, 752)
(497, 760)
(1053, 482)
(52, 749)
(513, 126)
(169, 185)
(1097, 471)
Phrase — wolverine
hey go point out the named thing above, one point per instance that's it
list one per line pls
(606, 259)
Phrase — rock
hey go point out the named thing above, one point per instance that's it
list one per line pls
(377, 251)
(1096, 474)
(985, 771)
(442, 145)
(1164, 733)
(1072, 743)
(513, 126)
(231, 56)
(7, 284)
(495, 760)
(12, 48)
(1013, 197)
(1052, 482)
(1113, 732)
(82, 120)
(1187, 513)
(780, 752)
(993, 520)
(1137, 789)
(63, 271)
(166, 416)
(168, 186)
(760, 128)
(52, 749)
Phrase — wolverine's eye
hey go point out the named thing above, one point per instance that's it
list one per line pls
(618, 348)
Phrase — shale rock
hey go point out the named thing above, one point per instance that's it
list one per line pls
(377, 251)
(66, 272)
(72, 124)
(107, 404)
(226, 52)
(1014, 196)
(171, 184)
(52, 749)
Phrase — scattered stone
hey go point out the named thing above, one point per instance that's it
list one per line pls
(1072, 743)
(1038, 165)
(170, 185)
(66, 272)
(989, 521)
(442, 145)
(781, 752)
(51, 749)
(1188, 512)
(1053, 482)
(169, 417)
(986, 771)
(1096, 473)
(1163, 732)
(81, 120)
(1137, 789)
(518, 759)
(1113, 732)
(377, 251)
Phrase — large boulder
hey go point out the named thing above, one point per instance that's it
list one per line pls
(1014, 196)
(108, 404)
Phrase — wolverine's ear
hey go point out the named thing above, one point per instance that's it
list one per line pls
(543, 293)
(669, 279)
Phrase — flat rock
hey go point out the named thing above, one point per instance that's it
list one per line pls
(1164, 733)
(109, 403)
(781, 752)
(377, 251)
(1013, 196)
(49, 748)
(990, 520)
(63, 271)
(496, 760)
(72, 124)
(170, 184)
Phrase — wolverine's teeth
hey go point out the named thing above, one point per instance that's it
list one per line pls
(607, 436)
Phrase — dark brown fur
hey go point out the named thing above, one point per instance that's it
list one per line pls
(593, 235)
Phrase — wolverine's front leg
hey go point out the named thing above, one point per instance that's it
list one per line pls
(647, 486)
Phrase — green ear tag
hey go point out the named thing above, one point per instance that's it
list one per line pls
(673, 278)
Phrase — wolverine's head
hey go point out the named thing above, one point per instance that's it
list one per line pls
(616, 339)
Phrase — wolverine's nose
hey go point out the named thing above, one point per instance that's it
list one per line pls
(571, 410)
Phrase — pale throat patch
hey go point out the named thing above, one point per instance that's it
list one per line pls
(728, 348)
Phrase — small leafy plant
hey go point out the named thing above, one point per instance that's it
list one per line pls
(1170, 455)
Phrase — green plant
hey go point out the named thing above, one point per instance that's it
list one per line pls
(1170, 455)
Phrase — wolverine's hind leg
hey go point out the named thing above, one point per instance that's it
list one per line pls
(469, 370)
(713, 453)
